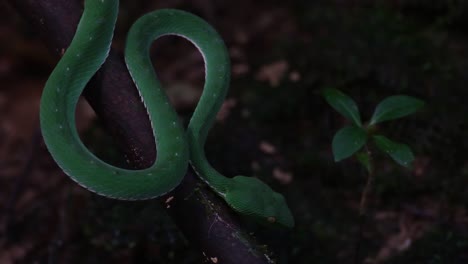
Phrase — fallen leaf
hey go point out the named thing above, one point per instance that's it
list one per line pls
(226, 109)
(273, 73)
(267, 147)
(282, 176)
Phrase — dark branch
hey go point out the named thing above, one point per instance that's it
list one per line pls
(203, 218)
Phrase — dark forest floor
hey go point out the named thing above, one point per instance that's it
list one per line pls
(274, 125)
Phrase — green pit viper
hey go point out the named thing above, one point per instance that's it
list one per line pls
(176, 147)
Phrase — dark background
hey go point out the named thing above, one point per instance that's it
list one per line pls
(274, 125)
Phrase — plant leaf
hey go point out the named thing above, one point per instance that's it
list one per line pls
(347, 141)
(400, 153)
(394, 107)
(343, 104)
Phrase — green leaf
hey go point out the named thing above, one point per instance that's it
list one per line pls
(347, 141)
(400, 153)
(395, 107)
(343, 104)
(364, 159)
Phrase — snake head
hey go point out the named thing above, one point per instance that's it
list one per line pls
(251, 197)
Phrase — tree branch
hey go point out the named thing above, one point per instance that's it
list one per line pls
(203, 218)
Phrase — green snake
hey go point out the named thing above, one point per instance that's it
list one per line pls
(177, 148)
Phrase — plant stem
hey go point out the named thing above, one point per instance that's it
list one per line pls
(369, 184)
(363, 203)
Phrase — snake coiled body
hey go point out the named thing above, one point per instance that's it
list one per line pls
(177, 148)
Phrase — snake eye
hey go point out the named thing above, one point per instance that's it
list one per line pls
(271, 219)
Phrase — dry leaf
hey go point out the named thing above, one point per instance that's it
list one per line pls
(267, 147)
(273, 73)
(226, 109)
(282, 176)
(410, 230)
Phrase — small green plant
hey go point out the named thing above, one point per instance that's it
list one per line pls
(350, 139)
(355, 139)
